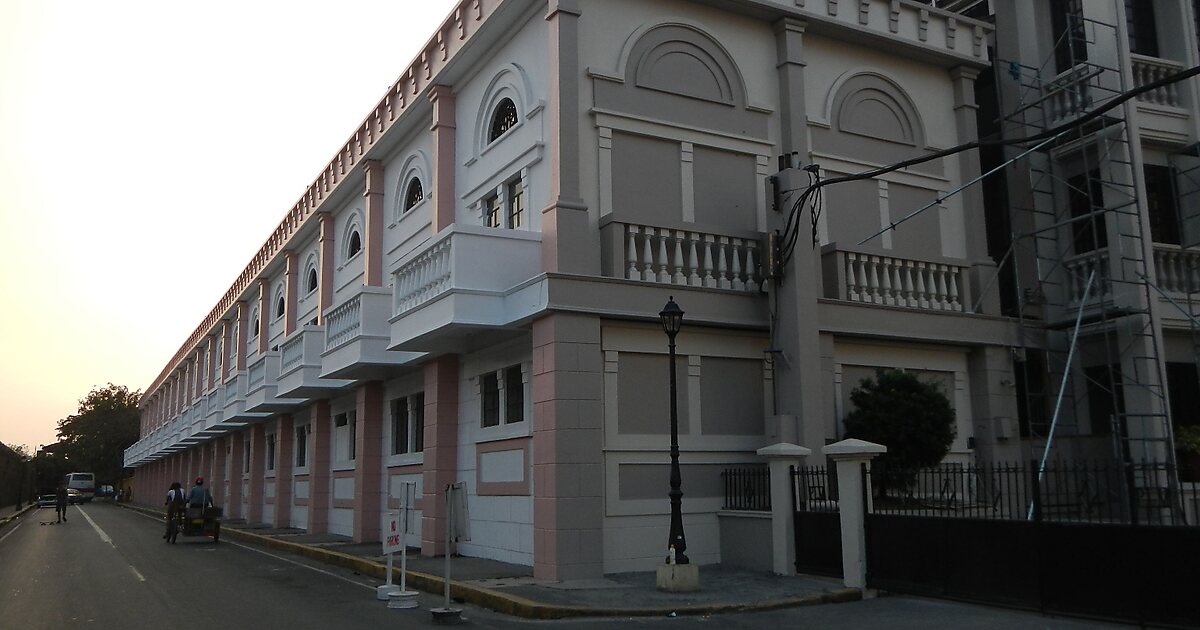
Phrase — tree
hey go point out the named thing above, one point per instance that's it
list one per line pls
(912, 418)
(94, 439)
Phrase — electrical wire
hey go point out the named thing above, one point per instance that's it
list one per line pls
(812, 195)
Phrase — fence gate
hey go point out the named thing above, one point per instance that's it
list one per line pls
(818, 527)
(1086, 540)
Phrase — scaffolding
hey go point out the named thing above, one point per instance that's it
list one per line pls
(1083, 264)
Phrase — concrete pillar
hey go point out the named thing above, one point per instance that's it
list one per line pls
(780, 457)
(441, 449)
(236, 457)
(854, 501)
(368, 461)
(320, 469)
(325, 263)
(243, 315)
(258, 472)
(373, 236)
(284, 440)
(443, 129)
(264, 315)
(568, 435)
(291, 289)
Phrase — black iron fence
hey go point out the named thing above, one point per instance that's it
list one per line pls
(815, 489)
(747, 488)
(1083, 492)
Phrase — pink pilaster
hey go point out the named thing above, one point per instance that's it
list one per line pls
(442, 98)
(243, 314)
(291, 288)
(325, 275)
(235, 475)
(568, 434)
(258, 471)
(368, 462)
(226, 340)
(217, 485)
(264, 310)
(373, 241)
(441, 449)
(319, 469)
(283, 470)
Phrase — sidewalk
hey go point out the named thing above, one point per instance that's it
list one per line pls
(11, 512)
(512, 589)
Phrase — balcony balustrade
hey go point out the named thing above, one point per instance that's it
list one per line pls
(1150, 69)
(682, 257)
(263, 384)
(872, 278)
(467, 278)
(357, 335)
(1079, 268)
(1070, 93)
(300, 365)
(1177, 269)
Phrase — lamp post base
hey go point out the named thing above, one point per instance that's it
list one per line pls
(678, 578)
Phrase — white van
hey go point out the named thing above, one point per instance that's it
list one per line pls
(84, 482)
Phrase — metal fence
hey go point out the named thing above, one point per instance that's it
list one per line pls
(815, 489)
(747, 488)
(1085, 492)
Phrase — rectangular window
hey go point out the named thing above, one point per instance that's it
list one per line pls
(491, 212)
(1143, 33)
(516, 204)
(343, 436)
(1085, 197)
(1070, 37)
(1105, 396)
(271, 451)
(489, 393)
(302, 445)
(514, 395)
(246, 456)
(353, 433)
(1030, 376)
(1160, 203)
(408, 424)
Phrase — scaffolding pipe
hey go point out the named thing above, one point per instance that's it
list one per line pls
(1062, 386)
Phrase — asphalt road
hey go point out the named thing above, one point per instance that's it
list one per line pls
(109, 568)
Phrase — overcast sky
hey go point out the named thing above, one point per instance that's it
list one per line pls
(147, 149)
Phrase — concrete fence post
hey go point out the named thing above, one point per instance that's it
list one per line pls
(852, 457)
(780, 457)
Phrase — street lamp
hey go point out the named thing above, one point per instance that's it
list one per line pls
(672, 320)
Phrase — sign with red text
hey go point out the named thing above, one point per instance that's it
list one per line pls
(391, 533)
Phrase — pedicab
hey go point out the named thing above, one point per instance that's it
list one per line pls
(196, 521)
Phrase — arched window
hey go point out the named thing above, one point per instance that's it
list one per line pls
(254, 318)
(312, 280)
(414, 194)
(355, 245)
(503, 119)
(280, 307)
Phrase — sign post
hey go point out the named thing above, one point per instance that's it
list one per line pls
(457, 528)
(391, 542)
(397, 540)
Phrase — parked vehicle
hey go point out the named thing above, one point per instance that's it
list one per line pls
(46, 500)
(84, 482)
(74, 497)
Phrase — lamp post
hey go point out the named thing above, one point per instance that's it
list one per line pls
(672, 319)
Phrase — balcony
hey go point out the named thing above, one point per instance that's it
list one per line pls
(687, 258)
(357, 335)
(1162, 115)
(468, 279)
(233, 394)
(873, 278)
(262, 385)
(300, 365)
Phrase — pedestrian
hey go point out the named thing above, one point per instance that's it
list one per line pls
(60, 500)
(176, 502)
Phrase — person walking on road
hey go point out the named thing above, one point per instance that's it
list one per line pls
(60, 501)
(176, 502)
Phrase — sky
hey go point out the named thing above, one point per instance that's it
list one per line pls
(147, 150)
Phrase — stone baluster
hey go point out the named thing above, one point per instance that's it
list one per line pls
(722, 263)
(909, 299)
(922, 295)
(851, 277)
(873, 279)
(664, 236)
(751, 269)
(677, 259)
(942, 295)
(693, 261)
(647, 254)
(631, 271)
(952, 286)
(864, 287)
(709, 281)
(736, 246)
(885, 281)
(898, 283)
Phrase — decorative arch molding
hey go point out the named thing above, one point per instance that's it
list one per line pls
(511, 82)
(278, 299)
(416, 165)
(866, 102)
(351, 226)
(311, 266)
(675, 71)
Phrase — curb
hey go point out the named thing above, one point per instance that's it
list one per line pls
(5, 520)
(513, 604)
